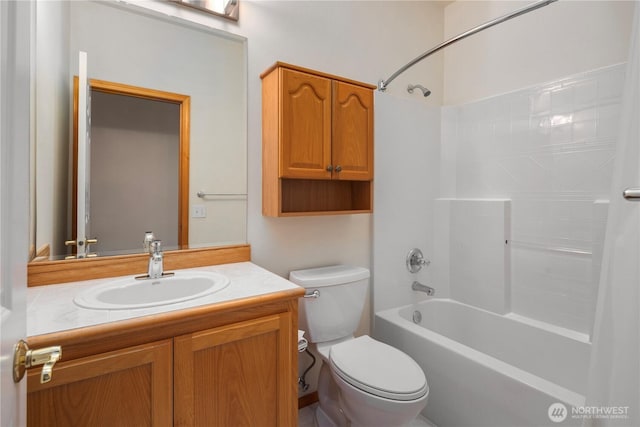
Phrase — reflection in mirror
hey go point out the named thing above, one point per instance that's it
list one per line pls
(224, 8)
(131, 47)
(133, 129)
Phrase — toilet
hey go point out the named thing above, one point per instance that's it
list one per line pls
(363, 382)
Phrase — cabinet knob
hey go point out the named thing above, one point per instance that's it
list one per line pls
(338, 168)
(329, 168)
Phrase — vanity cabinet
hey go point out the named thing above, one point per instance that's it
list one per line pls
(234, 365)
(317, 133)
(232, 375)
(127, 387)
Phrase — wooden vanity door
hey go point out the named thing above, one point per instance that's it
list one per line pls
(128, 387)
(236, 375)
(352, 149)
(305, 125)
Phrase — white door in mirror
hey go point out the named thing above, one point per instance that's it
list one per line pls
(131, 293)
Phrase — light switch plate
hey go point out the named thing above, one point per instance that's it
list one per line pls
(198, 211)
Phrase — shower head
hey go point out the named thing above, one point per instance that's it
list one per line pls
(425, 92)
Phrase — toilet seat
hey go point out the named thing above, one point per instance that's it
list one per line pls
(378, 369)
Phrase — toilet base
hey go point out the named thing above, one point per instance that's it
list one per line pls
(328, 412)
(364, 410)
(323, 420)
(332, 411)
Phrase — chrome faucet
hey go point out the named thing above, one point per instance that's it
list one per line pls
(155, 260)
(417, 286)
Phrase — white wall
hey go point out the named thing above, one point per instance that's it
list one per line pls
(53, 95)
(564, 38)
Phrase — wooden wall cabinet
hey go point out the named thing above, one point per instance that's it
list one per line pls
(317, 136)
(234, 368)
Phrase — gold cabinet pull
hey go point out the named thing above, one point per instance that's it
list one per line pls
(24, 358)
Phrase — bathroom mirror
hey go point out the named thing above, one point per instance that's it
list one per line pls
(132, 46)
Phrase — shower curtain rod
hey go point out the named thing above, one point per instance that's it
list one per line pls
(382, 84)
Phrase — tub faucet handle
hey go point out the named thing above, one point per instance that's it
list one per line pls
(415, 260)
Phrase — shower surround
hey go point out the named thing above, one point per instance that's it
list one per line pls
(531, 167)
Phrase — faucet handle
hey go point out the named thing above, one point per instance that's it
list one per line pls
(148, 238)
(155, 247)
(415, 260)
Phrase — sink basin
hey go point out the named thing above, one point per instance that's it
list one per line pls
(131, 293)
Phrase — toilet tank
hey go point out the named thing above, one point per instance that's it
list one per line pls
(336, 312)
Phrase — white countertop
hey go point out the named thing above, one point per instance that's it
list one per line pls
(51, 308)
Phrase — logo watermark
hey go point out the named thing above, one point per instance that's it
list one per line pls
(558, 412)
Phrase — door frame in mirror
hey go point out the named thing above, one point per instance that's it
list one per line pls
(184, 103)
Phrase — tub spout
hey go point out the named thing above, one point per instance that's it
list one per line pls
(417, 286)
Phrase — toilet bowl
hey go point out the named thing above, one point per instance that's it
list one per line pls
(379, 384)
(363, 382)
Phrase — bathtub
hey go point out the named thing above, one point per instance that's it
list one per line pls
(486, 369)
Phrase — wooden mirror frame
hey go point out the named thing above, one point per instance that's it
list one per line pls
(184, 102)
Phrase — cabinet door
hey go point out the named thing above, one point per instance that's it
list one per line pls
(352, 149)
(305, 125)
(236, 375)
(128, 387)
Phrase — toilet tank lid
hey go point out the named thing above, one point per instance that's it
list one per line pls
(328, 276)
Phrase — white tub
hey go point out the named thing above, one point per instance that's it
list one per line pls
(485, 369)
